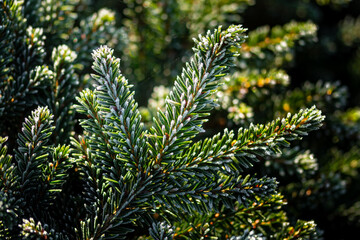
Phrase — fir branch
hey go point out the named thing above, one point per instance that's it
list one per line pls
(228, 154)
(94, 146)
(119, 109)
(32, 154)
(30, 229)
(6, 36)
(113, 217)
(100, 169)
(205, 193)
(111, 194)
(64, 88)
(127, 177)
(190, 175)
(88, 105)
(57, 170)
(264, 218)
(187, 103)
(9, 205)
(29, 47)
(7, 176)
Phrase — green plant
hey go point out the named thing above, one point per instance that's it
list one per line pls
(149, 183)
(264, 87)
(44, 59)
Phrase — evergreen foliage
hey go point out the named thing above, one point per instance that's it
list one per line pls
(37, 68)
(269, 81)
(136, 179)
(209, 157)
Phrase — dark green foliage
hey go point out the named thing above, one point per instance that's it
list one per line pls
(135, 179)
(332, 59)
(172, 171)
(8, 203)
(32, 154)
(37, 69)
(188, 100)
(290, 47)
(64, 86)
(33, 186)
(22, 52)
(135, 174)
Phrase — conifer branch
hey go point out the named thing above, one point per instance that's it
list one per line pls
(7, 176)
(32, 154)
(58, 169)
(119, 109)
(94, 139)
(196, 194)
(121, 180)
(109, 209)
(28, 47)
(9, 207)
(65, 84)
(94, 125)
(264, 216)
(187, 103)
(226, 153)
(195, 179)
